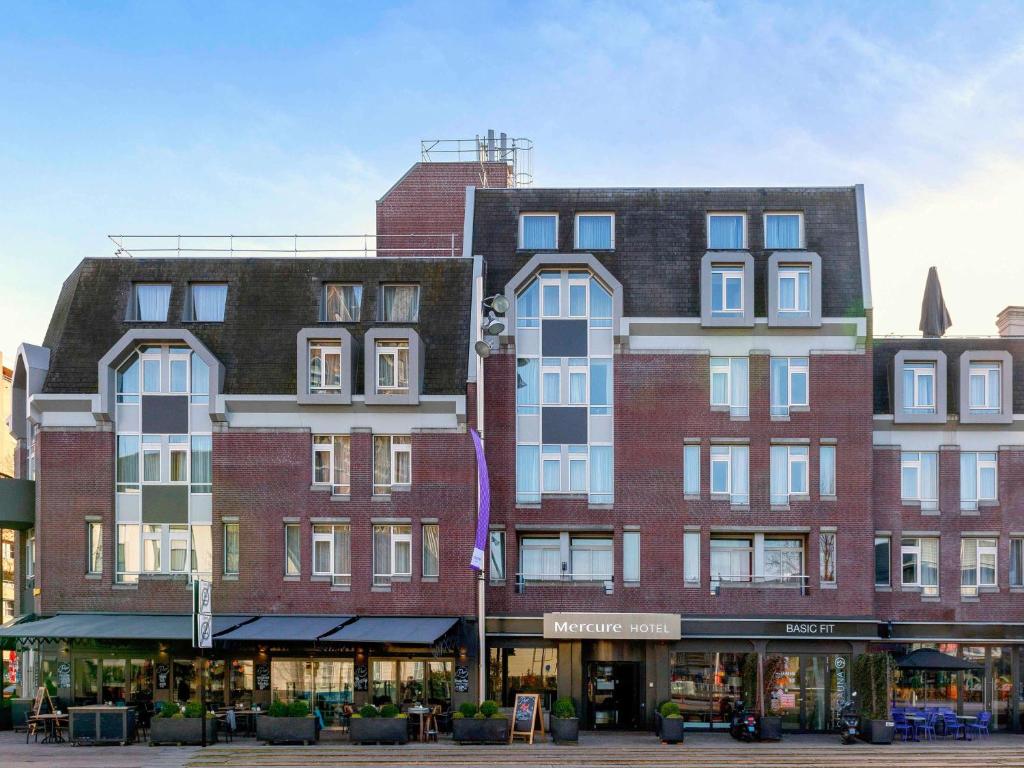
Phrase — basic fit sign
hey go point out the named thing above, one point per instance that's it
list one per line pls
(612, 626)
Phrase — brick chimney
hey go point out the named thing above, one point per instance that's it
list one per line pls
(1010, 321)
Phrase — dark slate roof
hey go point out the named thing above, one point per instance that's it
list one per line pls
(885, 350)
(269, 300)
(660, 237)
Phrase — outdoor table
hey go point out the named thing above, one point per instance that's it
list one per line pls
(421, 713)
(53, 722)
(914, 720)
(965, 719)
(245, 720)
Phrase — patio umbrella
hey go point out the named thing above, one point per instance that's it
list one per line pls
(934, 315)
(930, 660)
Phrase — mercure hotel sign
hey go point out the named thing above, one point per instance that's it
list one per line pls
(612, 626)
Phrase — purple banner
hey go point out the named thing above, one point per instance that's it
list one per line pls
(483, 520)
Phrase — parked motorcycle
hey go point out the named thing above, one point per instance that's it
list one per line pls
(849, 721)
(743, 726)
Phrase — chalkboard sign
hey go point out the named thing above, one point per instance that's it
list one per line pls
(262, 676)
(526, 718)
(362, 678)
(461, 678)
(64, 674)
(163, 676)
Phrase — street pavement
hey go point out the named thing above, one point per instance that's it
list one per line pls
(593, 751)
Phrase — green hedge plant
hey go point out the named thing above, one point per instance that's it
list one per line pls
(564, 708)
(390, 710)
(871, 678)
(669, 709)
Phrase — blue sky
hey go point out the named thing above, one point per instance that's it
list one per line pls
(263, 117)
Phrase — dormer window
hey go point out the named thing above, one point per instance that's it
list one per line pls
(727, 231)
(983, 387)
(538, 231)
(919, 387)
(595, 231)
(393, 367)
(151, 302)
(400, 303)
(794, 290)
(986, 387)
(324, 366)
(342, 303)
(726, 290)
(208, 302)
(783, 231)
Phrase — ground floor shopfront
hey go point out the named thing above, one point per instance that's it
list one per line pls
(710, 665)
(394, 659)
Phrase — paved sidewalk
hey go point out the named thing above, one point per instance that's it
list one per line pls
(594, 751)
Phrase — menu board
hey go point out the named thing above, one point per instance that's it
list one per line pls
(526, 718)
(461, 678)
(362, 678)
(261, 674)
(163, 676)
(64, 674)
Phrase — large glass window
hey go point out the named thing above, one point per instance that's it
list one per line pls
(332, 553)
(784, 560)
(977, 478)
(342, 303)
(332, 462)
(919, 478)
(789, 376)
(730, 466)
(240, 681)
(732, 559)
(788, 472)
(920, 564)
(595, 231)
(726, 231)
(978, 558)
(707, 686)
(392, 463)
(726, 290)
(783, 230)
(151, 302)
(523, 670)
(538, 231)
(591, 558)
(730, 385)
(392, 553)
(540, 558)
(984, 385)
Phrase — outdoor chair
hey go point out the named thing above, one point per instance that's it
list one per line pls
(902, 727)
(927, 728)
(952, 726)
(980, 726)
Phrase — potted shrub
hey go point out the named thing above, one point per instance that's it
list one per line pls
(772, 667)
(287, 723)
(671, 729)
(870, 677)
(368, 726)
(565, 726)
(182, 726)
(486, 725)
(6, 720)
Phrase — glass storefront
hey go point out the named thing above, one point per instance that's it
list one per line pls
(706, 686)
(185, 680)
(241, 682)
(523, 670)
(411, 681)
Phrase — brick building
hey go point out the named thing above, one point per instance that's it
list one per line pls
(696, 452)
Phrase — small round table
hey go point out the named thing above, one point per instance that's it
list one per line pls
(421, 713)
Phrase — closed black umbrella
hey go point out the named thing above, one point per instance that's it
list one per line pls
(934, 315)
(931, 660)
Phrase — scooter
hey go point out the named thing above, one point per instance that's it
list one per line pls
(849, 721)
(743, 726)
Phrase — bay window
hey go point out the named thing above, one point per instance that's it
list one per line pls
(527, 385)
(920, 564)
(730, 385)
(127, 463)
(919, 478)
(789, 389)
(392, 463)
(528, 306)
(977, 478)
(788, 472)
(392, 553)
(978, 560)
(528, 474)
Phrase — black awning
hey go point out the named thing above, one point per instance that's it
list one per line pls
(400, 630)
(112, 626)
(930, 659)
(284, 628)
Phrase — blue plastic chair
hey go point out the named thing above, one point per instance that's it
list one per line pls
(927, 728)
(902, 726)
(980, 726)
(953, 727)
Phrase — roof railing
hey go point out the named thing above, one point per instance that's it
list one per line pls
(517, 153)
(163, 246)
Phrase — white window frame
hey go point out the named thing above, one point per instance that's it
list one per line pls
(795, 456)
(725, 366)
(328, 536)
(728, 272)
(30, 557)
(179, 356)
(327, 445)
(795, 366)
(832, 478)
(576, 229)
(536, 214)
(94, 553)
(781, 577)
(915, 549)
(296, 530)
(631, 541)
(912, 460)
(393, 349)
(542, 544)
(716, 454)
(423, 551)
(980, 465)
(764, 220)
(985, 370)
(395, 537)
(175, 534)
(919, 370)
(691, 470)
(691, 558)
(726, 214)
(394, 449)
(182, 447)
(992, 548)
(793, 272)
(574, 280)
(733, 550)
(326, 347)
(552, 280)
(578, 545)
(238, 535)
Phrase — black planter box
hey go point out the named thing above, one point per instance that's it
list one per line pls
(771, 728)
(672, 730)
(877, 731)
(377, 730)
(181, 730)
(657, 723)
(471, 730)
(286, 730)
(565, 730)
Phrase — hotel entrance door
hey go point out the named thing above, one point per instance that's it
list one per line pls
(614, 691)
